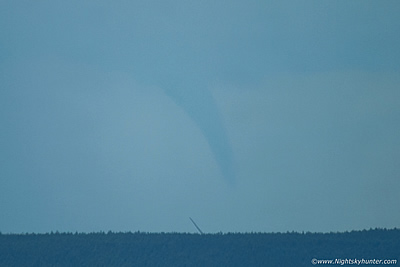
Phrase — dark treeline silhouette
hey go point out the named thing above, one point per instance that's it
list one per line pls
(184, 249)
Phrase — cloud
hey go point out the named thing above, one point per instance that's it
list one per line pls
(151, 108)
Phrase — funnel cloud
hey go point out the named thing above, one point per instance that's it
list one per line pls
(199, 104)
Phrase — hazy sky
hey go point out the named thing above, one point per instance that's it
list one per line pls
(244, 115)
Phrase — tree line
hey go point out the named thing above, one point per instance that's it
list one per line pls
(185, 249)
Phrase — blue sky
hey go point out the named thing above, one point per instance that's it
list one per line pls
(244, 115)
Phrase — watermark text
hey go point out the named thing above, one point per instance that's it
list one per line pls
(315, 261)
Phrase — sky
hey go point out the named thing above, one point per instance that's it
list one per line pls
(247, 116)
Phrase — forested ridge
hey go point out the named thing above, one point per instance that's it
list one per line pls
(185, 249)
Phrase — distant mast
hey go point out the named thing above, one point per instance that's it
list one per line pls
(201, 232)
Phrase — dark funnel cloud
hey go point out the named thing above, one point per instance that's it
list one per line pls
(198, 103)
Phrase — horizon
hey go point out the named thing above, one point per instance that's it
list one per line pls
(105, 232)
